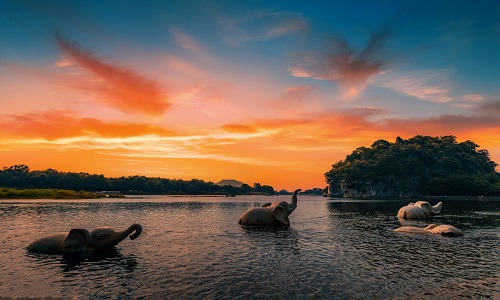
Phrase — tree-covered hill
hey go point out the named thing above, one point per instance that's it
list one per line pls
(20, 176)
(419, 166)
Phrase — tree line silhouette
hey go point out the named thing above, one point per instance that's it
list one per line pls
(419, 166)
(20, 176)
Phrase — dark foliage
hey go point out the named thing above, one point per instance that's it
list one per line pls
(20, 176)
(418, 166)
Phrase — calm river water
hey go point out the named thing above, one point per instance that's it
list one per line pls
(193, 248)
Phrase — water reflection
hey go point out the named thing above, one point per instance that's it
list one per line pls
(70, 262)
(282, 239)
(194, 248)
(265, 229)
(363, 206)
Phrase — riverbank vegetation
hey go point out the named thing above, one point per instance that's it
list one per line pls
(21, 177)
(10, 193)
(419, 166)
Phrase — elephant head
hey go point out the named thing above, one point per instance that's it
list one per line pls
(271, 214)
(444, 230)
(428, 209)
(81, 242)
(419, 210)
(76, 241)
(107, 237)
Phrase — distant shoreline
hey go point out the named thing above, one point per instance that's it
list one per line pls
(63, 194)
(27, 193)
(11, 193)
(462, 197)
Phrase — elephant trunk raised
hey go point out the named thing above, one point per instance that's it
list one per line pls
(436, 208)
(120, 236)
(107, 237)
(293, 204)
(138, 230)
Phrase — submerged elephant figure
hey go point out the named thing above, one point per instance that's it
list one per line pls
(444, 230)
(419, 210)
(82, 242)
(275, 214)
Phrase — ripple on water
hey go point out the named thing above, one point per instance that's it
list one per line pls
(193, 248)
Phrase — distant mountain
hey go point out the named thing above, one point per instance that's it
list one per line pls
(230, 182)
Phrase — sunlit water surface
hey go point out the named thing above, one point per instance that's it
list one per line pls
(193, 248)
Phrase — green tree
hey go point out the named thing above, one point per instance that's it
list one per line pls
(421, 165)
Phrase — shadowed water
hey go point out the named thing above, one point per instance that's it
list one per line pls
(193, 248)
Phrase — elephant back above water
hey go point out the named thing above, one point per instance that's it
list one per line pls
(419, 210)
(82, 242)
(275, 214)
(444, 230)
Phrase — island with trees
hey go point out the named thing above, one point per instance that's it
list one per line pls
(415, 167)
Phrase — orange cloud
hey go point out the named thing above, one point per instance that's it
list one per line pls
(238, 128)
(115, 85)
(303, 148)
(52, 125)
(314, 130)
(351, 129)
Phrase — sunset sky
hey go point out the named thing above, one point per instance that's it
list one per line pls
(269, 92)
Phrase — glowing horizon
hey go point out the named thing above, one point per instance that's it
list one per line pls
(258, 92)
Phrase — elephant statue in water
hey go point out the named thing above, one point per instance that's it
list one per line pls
(419, 210)
(275, 214)
(444, 230)
(82, 242)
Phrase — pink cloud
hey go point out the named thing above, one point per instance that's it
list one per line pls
(339, 63)
(472, 97)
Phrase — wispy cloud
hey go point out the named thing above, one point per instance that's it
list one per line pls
(369, 110)
(280, 24)
(184, 67)
(296, 94)
(114, 85)
(427, 85)
(264, 26)
(472, 98)
(186, 41)
(342, 64)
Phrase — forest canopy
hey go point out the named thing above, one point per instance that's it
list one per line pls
(419, 166)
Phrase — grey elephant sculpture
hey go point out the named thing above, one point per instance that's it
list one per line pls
(419, 210)
(444, 230)
(82, 242)
(270, 214)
